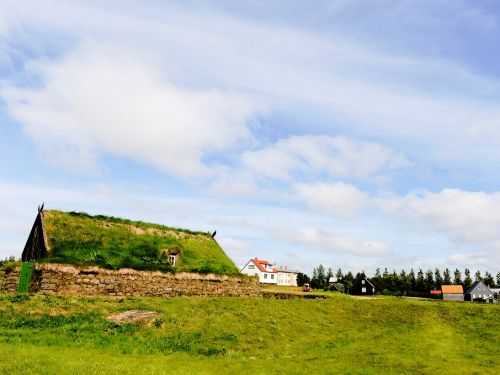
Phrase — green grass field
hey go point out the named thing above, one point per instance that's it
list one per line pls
(338, 335)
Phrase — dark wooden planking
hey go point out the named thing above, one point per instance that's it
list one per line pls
(36, 245)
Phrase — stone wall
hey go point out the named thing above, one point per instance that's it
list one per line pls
(8, 280)
(70, 280)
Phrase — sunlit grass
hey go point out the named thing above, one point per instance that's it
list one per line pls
(77, 238)
(68, 335)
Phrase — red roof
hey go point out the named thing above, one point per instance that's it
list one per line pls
(452, 289)
(262, 265)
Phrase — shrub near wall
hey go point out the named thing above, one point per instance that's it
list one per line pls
(91, 281)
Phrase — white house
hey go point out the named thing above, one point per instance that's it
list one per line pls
(269, 273)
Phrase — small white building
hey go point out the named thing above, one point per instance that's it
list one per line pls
(269, 273)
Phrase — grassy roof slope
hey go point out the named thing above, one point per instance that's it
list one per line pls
(78, 238)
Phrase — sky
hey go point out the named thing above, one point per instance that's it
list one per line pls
(349, 133)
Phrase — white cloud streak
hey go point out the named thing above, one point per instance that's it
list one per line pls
(94, 102)
(466, 217)
(334, 243)
(335, 198)
(336, 156)
(211, 63)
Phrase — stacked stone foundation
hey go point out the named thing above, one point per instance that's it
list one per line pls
(8, 280)
(94, 281)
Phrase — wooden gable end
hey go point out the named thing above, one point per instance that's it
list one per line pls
(36, 245)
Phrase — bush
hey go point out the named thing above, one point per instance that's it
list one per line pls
(25, 277)
(9, 264)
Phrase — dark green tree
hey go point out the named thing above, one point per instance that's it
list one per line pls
(498, 280)
(467, 279)
(412, 281)
(477, 276)
(302, 279)
(314, 279)
(377, 280)
(339, 276)
(429, 281)
(446, 277)
(420, 282)
(404, 283)
(488, 279)
(438, 279)
(348, 282)
(457, 277)
(385, 275)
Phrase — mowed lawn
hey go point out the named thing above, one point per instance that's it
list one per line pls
(338, 335)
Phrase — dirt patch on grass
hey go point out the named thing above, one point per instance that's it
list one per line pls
(133, 316)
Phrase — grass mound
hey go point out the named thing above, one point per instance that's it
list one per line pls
(338, 335)
(82, 239)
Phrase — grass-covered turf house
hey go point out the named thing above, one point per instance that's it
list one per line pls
(110, 242)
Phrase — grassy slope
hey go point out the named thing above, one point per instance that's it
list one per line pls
(48, 335)
(117, 243)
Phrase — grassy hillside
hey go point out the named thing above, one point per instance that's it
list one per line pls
(110, 242)
(340, 335)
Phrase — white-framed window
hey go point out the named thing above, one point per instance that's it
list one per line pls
(172, 258)
(251, 267)
(265, 276)
(363, 290)
(363, 282)
(272, 276)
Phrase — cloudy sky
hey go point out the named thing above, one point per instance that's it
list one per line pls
(350, 133)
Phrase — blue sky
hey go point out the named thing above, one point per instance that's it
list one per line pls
(350, 133)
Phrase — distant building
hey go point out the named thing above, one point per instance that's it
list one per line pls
(363, 286)
(496, 294)
(269, 273)
(452, 292)
(479, 292)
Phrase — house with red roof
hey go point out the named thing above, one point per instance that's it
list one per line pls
(452, 292)
(269, 273)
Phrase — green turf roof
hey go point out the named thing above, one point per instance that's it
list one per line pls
(79, 238)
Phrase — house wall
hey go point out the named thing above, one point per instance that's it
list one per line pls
(70, 280)
(264, 277)
(480, 291)
(250, 269)
(453, 297)
(268, 278)
(287, 278)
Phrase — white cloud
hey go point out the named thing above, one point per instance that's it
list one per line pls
(334, 243)
(376, 93)
(474, 260)
(335, 198)
(335, 156)
(106, 101)
(466, 217)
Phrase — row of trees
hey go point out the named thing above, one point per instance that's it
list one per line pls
(418, 283)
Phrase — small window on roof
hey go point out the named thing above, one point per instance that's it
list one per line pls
(251, 266)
